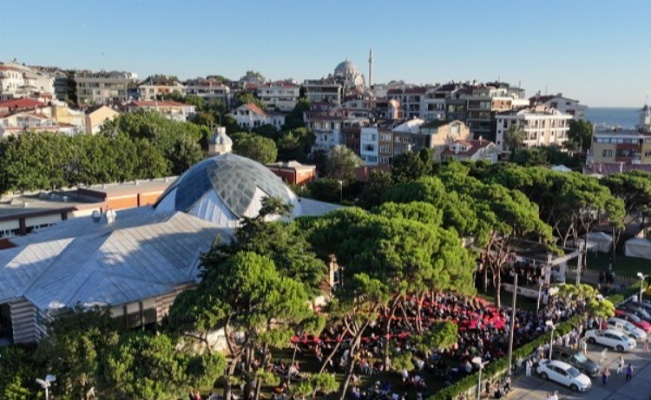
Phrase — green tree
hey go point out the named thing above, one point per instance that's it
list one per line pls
(580, 135)
(267, 130)
(257, 148)
(295, 145)
(410, 165)
(634, 189)
(514, 138)
(245, 97)
(294, 120)
(203, 118)
(15, 391)
(341, 163)
(378, 184)
(75, 344)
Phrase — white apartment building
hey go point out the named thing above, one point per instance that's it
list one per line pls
(542, 126)
(279, 95)
(250, 116)
(103, 87)
(209, 89)
(323, 91)
(171, 110)
(562, 104)
(327, 127)
(369, 145)
(17, 80)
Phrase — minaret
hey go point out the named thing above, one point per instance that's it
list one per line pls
(370, 68)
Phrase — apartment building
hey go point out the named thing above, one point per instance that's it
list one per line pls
(279, 95)
(103, 87)
(620, 146)
(563, 104)
(250, 116)
(543, 126)
(155, 87)
(171, 110)
(323, 91)
(210, 89)
(18, 81)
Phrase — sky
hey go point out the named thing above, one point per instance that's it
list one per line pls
(596, 51)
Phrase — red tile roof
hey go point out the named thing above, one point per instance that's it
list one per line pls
(155, 103)
(255, 109)
(473, 147)
(21, 103)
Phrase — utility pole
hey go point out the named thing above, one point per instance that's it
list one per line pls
(512, 322)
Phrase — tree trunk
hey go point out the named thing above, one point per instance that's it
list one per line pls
(265, 359)
(497, 281)
(228, 387)
(485, 278)
(332, 354)
(351, 365)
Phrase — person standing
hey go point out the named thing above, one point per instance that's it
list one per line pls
(620, 364)
(528, 366)
(605, 373)
(629, 372)
(646, 344)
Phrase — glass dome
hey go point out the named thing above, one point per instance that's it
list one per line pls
(224, 189)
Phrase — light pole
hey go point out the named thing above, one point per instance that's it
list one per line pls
(642, 278)
(480, 362)
(550, 324)
(45, 384)
(512, 322)
(341, 191)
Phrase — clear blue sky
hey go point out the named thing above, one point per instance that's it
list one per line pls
(596, 51)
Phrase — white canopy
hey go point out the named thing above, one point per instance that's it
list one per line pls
(638, 248)
(598, 241)
(561, 168)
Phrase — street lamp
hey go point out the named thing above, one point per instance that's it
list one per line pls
(45, 384)
(642, 278)
(341, 191)
(480, 362)
(551, 325)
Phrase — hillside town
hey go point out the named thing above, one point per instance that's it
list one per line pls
(335, 238)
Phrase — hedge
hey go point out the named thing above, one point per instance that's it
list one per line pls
(498, 368)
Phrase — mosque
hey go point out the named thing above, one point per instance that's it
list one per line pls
(135, 261)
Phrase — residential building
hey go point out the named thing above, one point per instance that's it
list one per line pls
(471, 150)
(7, 106)
(250, 116)
(323, 91)
(412, 100)
(293, 172)
(327, 127)
(171, 110)
(63, 114)
(407, 137)
(620, 146)
(385, 144)
(562, 104)
(443, 133)
(369, 145)
(351, 138)
(16, 122)
(19, 81)
(209, 89)
(97, 116)
(279, 95)
(155, 87)
(542, 126)
(102, 87)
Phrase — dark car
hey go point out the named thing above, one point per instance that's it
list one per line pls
(639, 312)
(576, 359)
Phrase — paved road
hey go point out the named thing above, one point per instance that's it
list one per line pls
(639, 388)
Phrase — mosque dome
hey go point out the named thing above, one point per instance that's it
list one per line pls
(347, 69)
(224, 189)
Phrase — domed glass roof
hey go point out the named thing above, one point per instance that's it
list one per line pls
(225, 188)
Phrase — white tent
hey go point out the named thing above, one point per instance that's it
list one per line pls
(638, 248)
(561, 168)
(598, 241)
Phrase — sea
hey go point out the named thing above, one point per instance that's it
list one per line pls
(625, 118)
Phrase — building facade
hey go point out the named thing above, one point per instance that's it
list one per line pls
(279, 95)
(103, 87)
(542, 126)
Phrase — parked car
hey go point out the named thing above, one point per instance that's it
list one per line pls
(565, 374)
(634, 319)
(637, 311)
(577, 359)
(626, 327)
(611, 338)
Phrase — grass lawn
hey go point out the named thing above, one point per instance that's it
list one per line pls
(623, 266)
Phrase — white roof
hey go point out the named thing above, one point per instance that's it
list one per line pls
(141, 255)
(411, 126)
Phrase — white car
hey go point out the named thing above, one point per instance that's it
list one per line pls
(565, 374)
(611, 338)
(623, 325)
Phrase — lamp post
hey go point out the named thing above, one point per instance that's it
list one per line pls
(46, 383)
(642, 278)
(512, 322)
(480, 362)
(341, 191)
(550, 324)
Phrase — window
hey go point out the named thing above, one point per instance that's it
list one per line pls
(607, 153)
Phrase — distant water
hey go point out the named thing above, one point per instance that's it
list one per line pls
(626, 118)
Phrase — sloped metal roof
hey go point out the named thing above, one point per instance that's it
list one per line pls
(141, 255)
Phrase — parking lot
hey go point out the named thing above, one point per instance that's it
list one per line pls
(617, 389)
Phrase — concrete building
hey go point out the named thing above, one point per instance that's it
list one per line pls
(542, 126)
(103, 87)
(250, 116)
(97, 116)
(293, 172)
(563, 104)
(279, 95)
(443, 133)
(155, 87)
(369, 145)
(620, 146)
(20, 81)
(172, 110)
(210, 89)
(323, 91)
(470, 150)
